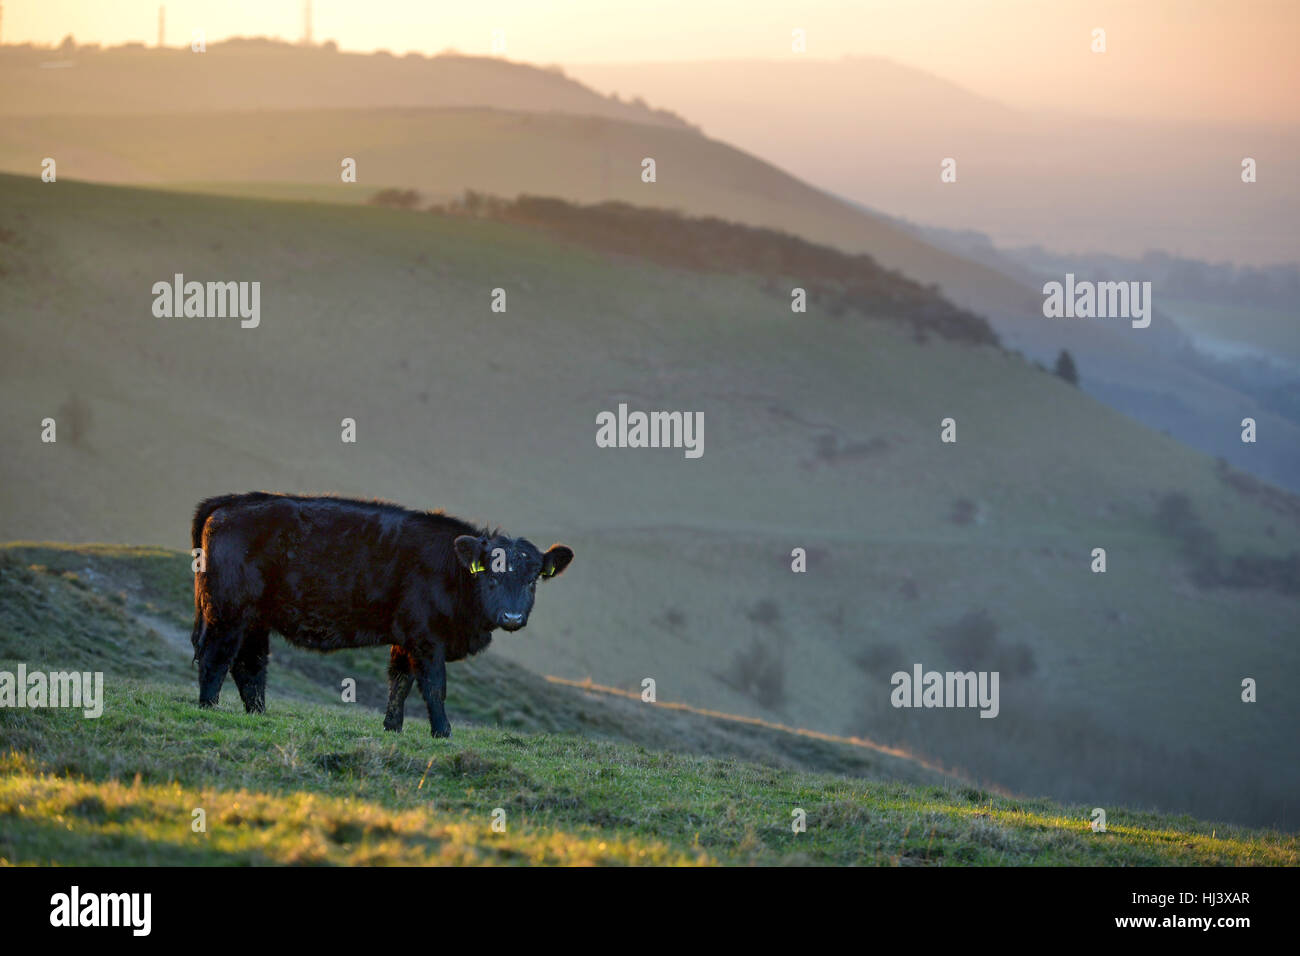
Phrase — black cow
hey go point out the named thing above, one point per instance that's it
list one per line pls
(329, 573)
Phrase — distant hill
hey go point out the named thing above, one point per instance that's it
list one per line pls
(1073, 178)
(259, 74)
(821, 432)
(441, 152)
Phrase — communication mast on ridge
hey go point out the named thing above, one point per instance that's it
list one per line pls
(306, 23)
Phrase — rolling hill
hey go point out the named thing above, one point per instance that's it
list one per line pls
(271, 75)
(822, 433)
(447, 124)
(1061, 174)
(574, 782)
(128, 611)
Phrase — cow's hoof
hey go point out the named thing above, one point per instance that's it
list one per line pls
(393, 726)
(207, 704)
(442, 731)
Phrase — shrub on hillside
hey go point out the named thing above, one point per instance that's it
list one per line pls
(963, 511)
(1065, 368)
(972, 643)
(72, 420)
(835, 281)
(765, 612)
(758, 672)
(396, 198)
(880, 660)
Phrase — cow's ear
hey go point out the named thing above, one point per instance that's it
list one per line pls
(556, 560)
(469, 550)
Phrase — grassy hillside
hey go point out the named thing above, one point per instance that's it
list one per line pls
(273, 120)
(128, 611)
(441, 152)
(320, 783)
(309, 784)
(822, 432)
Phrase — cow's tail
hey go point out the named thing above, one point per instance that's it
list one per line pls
(201, 515)
(204, 511)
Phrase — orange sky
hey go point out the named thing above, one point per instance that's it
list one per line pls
(1181, 59)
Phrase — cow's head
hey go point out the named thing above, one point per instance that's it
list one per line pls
(505, 572)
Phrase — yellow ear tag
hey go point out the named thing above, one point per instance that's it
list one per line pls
(476, 567)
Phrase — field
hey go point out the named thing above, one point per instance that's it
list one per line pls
(295, 155)
(315, 782)
(822, 433)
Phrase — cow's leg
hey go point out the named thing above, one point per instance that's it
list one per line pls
(249, 669)
(218, 650)
(431, 673)
(400, 678)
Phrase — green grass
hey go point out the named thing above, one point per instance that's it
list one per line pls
(315, 784)
(580, 780)
(384, 316)
(126, 611)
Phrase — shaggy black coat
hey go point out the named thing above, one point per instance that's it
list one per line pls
(329, 573)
